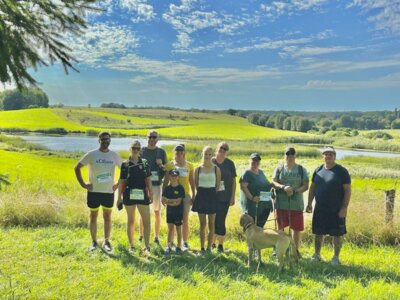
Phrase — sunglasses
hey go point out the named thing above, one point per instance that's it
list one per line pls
(224, 148)
(135, 148)
(152, 137)
(289, 153)
(105, 139)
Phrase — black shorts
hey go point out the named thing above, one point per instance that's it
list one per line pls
(127, 201)
(94, 200)
(325, 222)
(175, 215)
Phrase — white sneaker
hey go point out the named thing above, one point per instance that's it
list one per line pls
(185, 247)
(316, 257)
(335, 261)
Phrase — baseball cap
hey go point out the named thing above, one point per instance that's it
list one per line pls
(173, 172)
(255, 156)
(328, 149)
(290, 150)
(179, 147)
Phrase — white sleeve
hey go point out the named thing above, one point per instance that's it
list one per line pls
(85, 160)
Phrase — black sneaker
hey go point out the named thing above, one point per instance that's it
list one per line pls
(156, 240)
(107, 246)
(220, 248)
(93, 246)
(213, 246)
(140, 238)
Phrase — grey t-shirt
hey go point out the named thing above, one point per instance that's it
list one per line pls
(157, 174)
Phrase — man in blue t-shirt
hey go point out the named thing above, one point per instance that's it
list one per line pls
(331, 187)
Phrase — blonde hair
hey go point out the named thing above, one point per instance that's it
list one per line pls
(134, 143)
(205, 149)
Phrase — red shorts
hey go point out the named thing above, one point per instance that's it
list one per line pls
(296, 219)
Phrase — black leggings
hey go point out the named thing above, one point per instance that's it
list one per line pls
(220, 217)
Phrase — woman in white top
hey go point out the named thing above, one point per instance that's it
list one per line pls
(207, 178)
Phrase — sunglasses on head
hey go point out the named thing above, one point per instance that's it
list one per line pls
(224, 148)
(135, 148)
(152, 137)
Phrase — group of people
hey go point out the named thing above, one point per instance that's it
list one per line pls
(147, 179)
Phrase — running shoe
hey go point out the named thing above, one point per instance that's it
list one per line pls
(131, 249)
(107, 246)
(168, 251)
(156, 240)
(93, 246)
(185, 246)
(335, 261)
(220, 248)
(140, 238)
(316, 257)
(178, 250)
(213, 246)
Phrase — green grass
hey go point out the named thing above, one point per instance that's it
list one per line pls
(53, 262)
(172, 125)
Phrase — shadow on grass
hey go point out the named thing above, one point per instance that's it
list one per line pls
(233, 265)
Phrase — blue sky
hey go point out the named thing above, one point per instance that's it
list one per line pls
(249, 54)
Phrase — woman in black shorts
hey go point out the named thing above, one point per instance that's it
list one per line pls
(135, 190)
(207, 179)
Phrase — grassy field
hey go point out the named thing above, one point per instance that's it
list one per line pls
(136, 122)
(44, 235)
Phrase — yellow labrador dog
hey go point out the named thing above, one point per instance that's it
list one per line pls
(258, 238)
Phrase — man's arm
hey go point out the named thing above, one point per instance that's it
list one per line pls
(346, 200)
(79, 177)
(311, 195)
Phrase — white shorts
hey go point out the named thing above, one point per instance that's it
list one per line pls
(156, 189)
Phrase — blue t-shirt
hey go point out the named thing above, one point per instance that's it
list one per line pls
(329, 191)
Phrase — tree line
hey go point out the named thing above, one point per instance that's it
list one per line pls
(24, 98)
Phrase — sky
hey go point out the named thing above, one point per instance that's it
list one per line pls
(309, 55)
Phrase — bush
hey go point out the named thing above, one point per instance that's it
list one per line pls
(379, 135)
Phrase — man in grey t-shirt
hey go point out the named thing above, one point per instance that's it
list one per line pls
(156, 158)
(101, 165)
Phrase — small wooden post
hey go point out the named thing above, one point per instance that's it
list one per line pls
(390, 195)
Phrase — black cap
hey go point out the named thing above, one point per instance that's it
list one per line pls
(179, 147)
(290, 150)
(255, 156)
(173, 172)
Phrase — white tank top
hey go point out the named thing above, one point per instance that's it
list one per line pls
(207, 180)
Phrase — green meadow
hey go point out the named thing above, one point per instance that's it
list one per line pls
(44, 235)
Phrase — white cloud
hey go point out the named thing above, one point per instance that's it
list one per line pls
(391, 80)
(385, 14)
(101, 43)
(269, 44)
(184, 73)
(278, 8)
(295, 51)
(143, 10)
(189, 18)
(310, 65)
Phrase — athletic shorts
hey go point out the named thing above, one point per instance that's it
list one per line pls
(94, 200)
(156, 189)
(296, 219)
(328, 223)
(175, 215)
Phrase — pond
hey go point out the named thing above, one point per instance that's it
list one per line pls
(85, 143)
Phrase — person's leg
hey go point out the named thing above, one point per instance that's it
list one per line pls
(211, 229)
(157, 210)
(220, 220)
(93, 224)
(144, 211)
(179, 235)
(157, 224)
(107, 223)
(203, 225)
(170, 234)
(185, 225)
(297, 238)
(140, 229)
(337, 244)
(263, 217)
(130, 225)
(319, 240)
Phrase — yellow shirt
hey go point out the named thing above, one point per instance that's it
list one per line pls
(184, 173)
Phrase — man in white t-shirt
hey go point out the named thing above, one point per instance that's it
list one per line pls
(101, 165)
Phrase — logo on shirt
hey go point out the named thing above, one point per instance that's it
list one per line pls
(176, 192)
(104, 161)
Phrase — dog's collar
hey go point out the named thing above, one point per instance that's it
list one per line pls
(247, 226)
